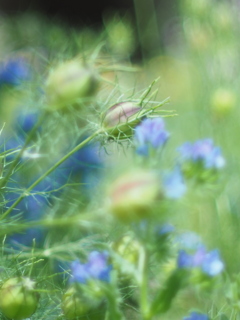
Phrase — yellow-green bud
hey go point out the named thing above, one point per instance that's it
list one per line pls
(69, 82)
(133, 194)
(128, 249)
(120, 119)
(222, 102)
(75, 306)
(18, 299)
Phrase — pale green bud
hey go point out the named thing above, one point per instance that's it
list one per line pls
(75, 306)
(18, 299)
(69, 82)
(128, 248)
(223, 102)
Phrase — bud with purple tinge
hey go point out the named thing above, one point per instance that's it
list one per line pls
(120, 119)
(133, 194)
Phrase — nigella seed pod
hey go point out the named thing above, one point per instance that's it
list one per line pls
(133, 195)
(18, 298)
(120, 119)
(69, 82)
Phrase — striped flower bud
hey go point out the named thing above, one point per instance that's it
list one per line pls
(68, 83)
(120, 119)
(133, 194)
(18, 298)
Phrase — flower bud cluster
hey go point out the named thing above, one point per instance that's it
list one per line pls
(201, 160)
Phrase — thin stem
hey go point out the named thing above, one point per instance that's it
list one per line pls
(50, 170)
(13, 165)
(113, 305)
(143, 270)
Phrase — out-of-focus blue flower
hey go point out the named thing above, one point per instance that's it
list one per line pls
(149, 134)
(84, 166)
(212, 264)
(96, 267)
(196, 316)
(165, 229)
(188, 240)
(14, 71)
(31, 208)
(86, 158)
(26, 121)
(173, 184)
(184, 259)
(209, 262)
(202, 151)
(10, 145)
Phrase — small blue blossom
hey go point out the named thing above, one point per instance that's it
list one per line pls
(14, 71)
(150, 134)
(203, 151)
(96, 267)
(184, 259)
(196, 316)
(209, 262)
(212, 264)
(173, 184)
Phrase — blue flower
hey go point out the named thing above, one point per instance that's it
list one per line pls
(188, 240)
(212, 264)
(150, 134)
(26, 121)
(96, 267)
(165, 229)
(14, 71)
(31, 208)
(203, 151)
(196, 316)
(209, 262)
(173, 184)
(84, 159)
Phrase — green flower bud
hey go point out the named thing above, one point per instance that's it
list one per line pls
(75, 305)
(222, 102)
(133, 194)
(72, 304)
(128, 249)
(120, 119)
(69, 82)
(18, 299)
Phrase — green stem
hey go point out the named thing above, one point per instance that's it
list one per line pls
(143, 270)
(13, 165)
(113, 308)
(50, 170)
